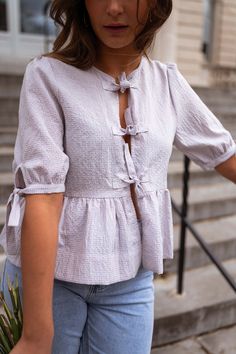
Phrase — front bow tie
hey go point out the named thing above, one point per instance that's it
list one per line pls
(123, 84)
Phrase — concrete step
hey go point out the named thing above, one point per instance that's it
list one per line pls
(222, 341)
(229, 123)
(10, 85)
(197, 175)
(217, 99)
(176, 155)
(6, 186)
(207, 303)
(6, 158)
(215, 93)
(219, 234)
(209, 201)
(7, 136)
(225, 104)
(220, 103)
(9, 111)
(2, 213)
(2, 261)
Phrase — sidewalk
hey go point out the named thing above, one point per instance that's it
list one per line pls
(222, 341)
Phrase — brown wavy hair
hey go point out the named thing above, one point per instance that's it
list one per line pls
(76, 42)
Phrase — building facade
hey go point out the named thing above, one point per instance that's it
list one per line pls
(200, 36)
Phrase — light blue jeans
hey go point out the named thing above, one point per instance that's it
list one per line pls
(98, 319)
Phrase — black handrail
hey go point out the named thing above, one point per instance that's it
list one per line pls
(186, 224)
(182, 240)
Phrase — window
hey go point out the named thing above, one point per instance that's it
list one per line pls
(208, 26)
(3, 15)
(35, 19)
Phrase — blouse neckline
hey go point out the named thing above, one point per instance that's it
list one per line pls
(130, 76)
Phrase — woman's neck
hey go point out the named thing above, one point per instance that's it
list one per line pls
(115, 61)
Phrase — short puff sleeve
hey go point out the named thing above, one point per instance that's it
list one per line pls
(40, 164)
(199, 134)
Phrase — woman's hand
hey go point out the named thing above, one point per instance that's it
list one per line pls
(24, 346)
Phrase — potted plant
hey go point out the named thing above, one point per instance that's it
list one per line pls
(11, 322)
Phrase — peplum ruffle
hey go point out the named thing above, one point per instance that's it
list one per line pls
(98, 233)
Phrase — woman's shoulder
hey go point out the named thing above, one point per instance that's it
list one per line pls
(40, 75)
(55, 68)
(48, 69)
(39, 66)
(159, 68)
(161, 65)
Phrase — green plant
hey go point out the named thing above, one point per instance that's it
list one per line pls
(11, 322)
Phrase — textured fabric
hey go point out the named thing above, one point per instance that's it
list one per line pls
(69, 140)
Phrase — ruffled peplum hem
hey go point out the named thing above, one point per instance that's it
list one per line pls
(102, 237)
(157, 229)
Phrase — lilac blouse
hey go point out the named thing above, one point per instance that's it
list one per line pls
(69, 139)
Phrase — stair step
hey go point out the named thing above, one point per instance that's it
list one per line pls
(214, 103)
(219, 234)
(9, 111)
(208, 201)
(214, 94)
(10, 118)
(187, 346)
(197, 175)
(207, 303)
(222, 341)
(6, 186)
(2, 261)
(7, 136)
(176, 155)
(10, 85)
(6, 178)
(6, 158)
(2, 213)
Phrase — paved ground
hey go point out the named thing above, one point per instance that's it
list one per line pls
(219, 342)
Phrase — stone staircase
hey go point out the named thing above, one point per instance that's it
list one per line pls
(208, 303)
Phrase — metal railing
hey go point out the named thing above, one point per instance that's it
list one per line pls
(186, 224)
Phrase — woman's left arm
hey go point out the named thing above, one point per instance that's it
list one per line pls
(228, 168)
(199, 133)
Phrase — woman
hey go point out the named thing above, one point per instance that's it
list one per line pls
(89, 220)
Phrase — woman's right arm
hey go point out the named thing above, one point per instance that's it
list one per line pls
(40, 167)
(38, 253)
